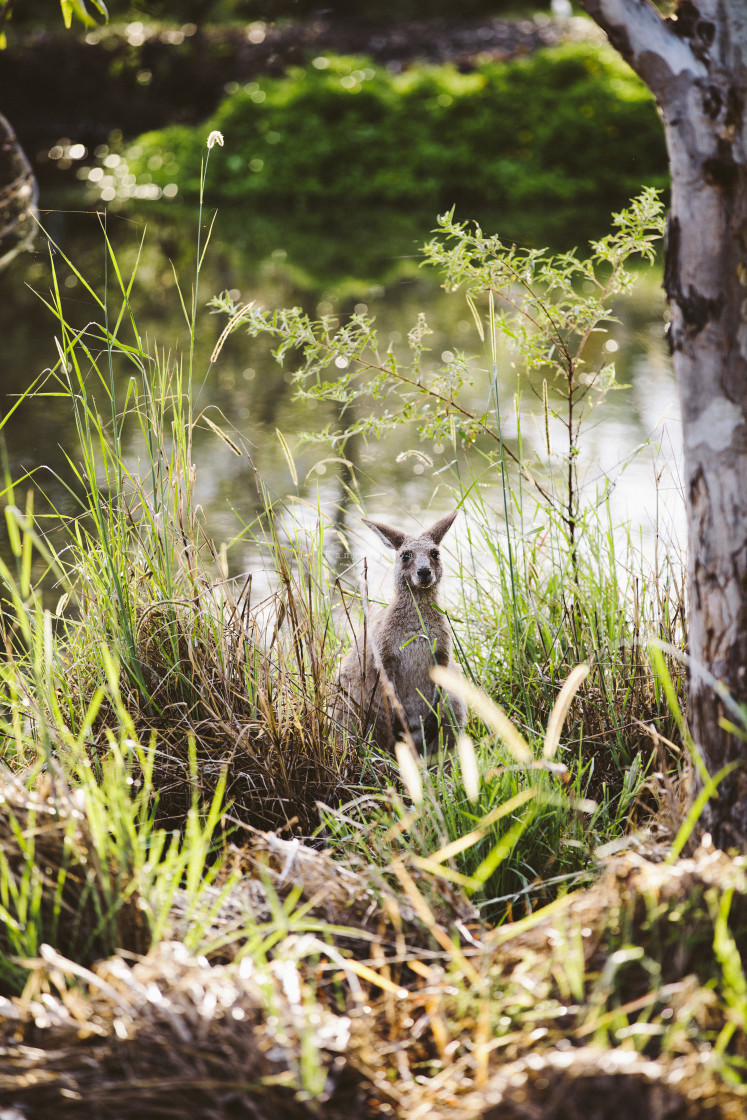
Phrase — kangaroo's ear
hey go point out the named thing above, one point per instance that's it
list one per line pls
(442, 526)
(392, 538)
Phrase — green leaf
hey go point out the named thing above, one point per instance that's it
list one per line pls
(78, 9)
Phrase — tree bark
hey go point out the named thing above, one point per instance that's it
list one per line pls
(696, 66)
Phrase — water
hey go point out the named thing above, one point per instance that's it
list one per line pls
(249, 397)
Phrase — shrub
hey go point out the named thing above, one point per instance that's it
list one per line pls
(571, 133)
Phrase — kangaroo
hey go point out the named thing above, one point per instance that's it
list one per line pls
(385, 682)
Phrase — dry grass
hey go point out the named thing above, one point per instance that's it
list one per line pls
(340, 992)
(235, 690)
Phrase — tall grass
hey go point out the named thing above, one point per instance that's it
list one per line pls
(529, 617)
(199, 661)
(142, 690)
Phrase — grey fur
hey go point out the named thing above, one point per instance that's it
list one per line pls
(385, 682)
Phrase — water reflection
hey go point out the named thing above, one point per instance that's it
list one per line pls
(248, 396)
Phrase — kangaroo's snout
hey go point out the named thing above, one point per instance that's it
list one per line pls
(425, 576)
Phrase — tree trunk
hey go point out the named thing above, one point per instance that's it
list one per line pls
(696, 66)
(18, 195)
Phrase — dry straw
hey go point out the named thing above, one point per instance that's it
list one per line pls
(409, 772)
(489, 712)
(555, 723)
(469, 767)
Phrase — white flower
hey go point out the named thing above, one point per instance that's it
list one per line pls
(215, 138)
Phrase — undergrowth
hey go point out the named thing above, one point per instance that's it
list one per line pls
(163, 714)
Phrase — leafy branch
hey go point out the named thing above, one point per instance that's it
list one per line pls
(545, 308)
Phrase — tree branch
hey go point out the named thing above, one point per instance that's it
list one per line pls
(645, 40)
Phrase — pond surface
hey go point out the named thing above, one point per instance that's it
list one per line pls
(250, 397)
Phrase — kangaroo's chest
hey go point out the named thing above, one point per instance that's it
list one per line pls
(406, 643)
(413, 656)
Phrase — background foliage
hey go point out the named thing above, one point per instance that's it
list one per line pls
(507, 144)
(215, 11)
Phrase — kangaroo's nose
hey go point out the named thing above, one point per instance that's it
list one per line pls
(425, 575)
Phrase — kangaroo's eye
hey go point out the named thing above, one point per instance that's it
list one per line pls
(434, 554)
(406, 556)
